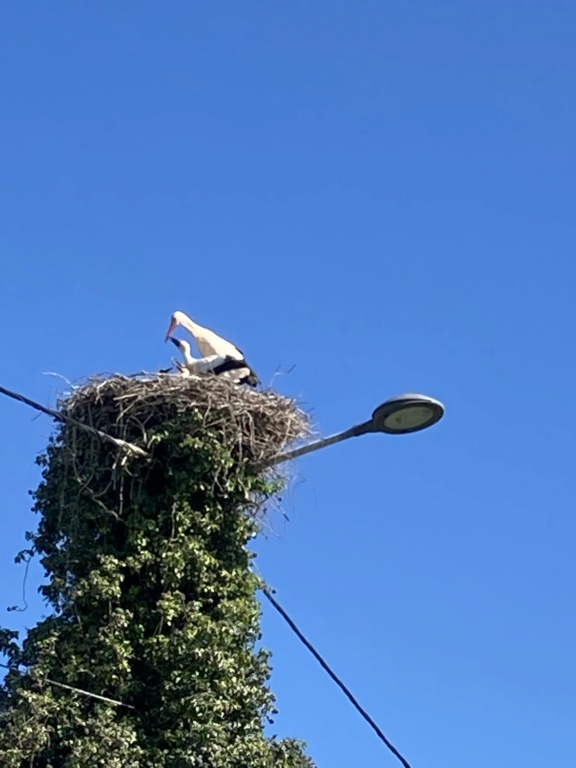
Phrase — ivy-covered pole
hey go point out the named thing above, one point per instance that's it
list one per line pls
(148, 657)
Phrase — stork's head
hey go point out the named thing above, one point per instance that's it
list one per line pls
(175, 321)
(182, 345)
(182, 368)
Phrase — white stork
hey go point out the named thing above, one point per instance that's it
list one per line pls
(209, 343)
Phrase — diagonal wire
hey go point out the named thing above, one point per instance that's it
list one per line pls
(334, 677)
(81, 691)
(87, 693)
(62, 418)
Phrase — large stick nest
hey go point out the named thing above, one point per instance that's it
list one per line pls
(257, 425)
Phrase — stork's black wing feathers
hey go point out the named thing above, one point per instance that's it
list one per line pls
(232, 364)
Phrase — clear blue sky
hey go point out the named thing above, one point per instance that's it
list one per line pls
(380, 194)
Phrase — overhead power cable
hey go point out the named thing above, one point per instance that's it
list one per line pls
(82, 692)
(335, 677)
(68, 419)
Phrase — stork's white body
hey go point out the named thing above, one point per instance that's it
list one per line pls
(205, 365)
(199, 366)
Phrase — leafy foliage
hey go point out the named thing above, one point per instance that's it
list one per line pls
(152, 605)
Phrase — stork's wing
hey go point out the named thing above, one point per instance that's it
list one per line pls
(230, 364)
(251, 379)
(209, 343)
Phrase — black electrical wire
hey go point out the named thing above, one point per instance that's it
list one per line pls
(334, 677)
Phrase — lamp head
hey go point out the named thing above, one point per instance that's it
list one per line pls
(406, 413)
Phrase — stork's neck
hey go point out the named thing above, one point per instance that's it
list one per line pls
(189, 324)
(188, 359)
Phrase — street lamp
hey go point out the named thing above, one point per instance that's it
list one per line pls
(397, 416)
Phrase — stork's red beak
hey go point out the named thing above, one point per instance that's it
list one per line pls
(173, 325)
(173, 340)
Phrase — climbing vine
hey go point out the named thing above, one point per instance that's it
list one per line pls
(149, 583)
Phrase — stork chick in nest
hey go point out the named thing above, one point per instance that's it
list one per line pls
(215, 364)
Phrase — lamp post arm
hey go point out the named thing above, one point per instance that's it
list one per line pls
(359, 429)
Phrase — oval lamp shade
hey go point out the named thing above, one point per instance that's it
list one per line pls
(406, 413)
